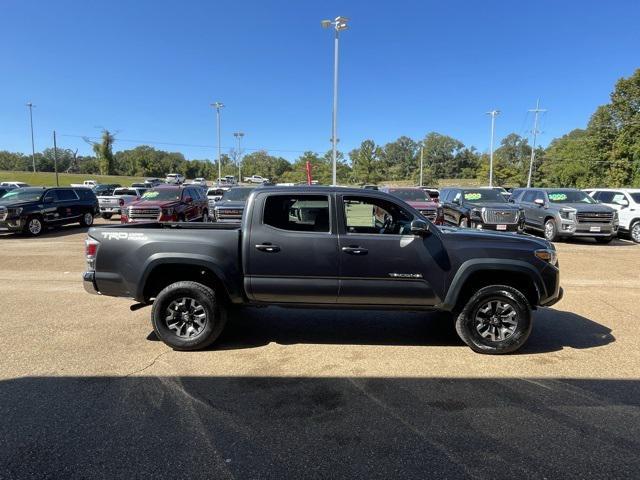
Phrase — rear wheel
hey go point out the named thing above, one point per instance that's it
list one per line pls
(186, 316)
(550, 230)
(34, 226)
(497, 319)
(634, 231)
(87, 219)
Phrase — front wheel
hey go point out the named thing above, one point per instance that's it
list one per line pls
(496, 320)
(87, 219)
(550, 230)
(187, 316)
(34, 226)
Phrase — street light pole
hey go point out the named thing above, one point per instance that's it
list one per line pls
(494, 114)
(339, 24)
(33, 147)
(239, 136)
(218, 106)
(535, 132)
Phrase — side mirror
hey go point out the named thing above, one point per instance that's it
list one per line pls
(624, 203)
(420, 227)
(188, 200)
(456, 201)
(539, 202)
(48, 199)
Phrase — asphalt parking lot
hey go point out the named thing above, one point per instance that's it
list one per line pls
(86, 390)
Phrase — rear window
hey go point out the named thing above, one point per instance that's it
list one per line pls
(85, 194)
(125, 191)
(297, 213)
(66, 195)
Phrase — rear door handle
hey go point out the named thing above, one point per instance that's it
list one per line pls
(267, 247)
(355, 250)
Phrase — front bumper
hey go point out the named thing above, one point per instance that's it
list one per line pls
(570, 228)
(89, 283)
(553, 299)
(12, 225)
(113, 210)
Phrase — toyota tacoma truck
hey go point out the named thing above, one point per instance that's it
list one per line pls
(325, 247)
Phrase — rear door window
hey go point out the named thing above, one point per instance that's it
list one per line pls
(297, 213)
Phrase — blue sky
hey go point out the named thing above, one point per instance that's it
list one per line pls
(149, 69)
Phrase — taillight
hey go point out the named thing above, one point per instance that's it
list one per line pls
(121, 202)
(90, 251)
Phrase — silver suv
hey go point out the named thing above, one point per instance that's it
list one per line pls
(566, 212)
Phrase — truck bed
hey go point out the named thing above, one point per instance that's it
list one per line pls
(129, 253)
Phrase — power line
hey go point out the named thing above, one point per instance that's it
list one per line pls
(192, 145)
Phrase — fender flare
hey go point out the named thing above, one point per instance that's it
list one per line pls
(203, 261)
(472, 266)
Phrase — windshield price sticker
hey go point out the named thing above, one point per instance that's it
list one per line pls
(557, 197)
(150, 194)
(472, 196)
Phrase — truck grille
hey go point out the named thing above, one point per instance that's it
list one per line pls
(3, 213)
(594, 217)
(228, 213)
(494, 217)
(138, 213)
(430, 214)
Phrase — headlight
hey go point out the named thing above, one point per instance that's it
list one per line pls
(12, 212)
(567, 214)
(167, 211)
(476, 213)
(547, 255)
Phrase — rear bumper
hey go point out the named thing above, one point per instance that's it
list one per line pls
(89, 283)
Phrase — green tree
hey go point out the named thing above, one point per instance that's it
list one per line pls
(104, 153)
(366, 163)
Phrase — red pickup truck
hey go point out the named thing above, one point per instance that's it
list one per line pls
(169, 204)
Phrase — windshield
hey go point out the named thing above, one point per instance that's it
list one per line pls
(23, 195)
(483, 195)
(164, 195)
(237, 194)
(411, 195)
(569, 196)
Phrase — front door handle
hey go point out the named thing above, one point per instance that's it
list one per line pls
(355, 250)
(267, 247)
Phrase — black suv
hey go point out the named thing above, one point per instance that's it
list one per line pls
(31, 210)
(480, 208)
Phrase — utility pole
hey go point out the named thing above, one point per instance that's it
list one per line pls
(55, 158)
(218, 106)
(494, 114)
(33, 147)
(535, 132)
(421, 163)
(340, 23)
(239, 136)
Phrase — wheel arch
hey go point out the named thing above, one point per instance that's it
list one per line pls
(160, 272)
(475, 274)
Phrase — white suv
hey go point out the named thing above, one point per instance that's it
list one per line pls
(627, 202)
(175, 179)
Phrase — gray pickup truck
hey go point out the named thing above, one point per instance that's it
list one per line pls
(566, 212)
(325, 247)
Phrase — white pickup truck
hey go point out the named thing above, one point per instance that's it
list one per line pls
(255, 179)
(85, 184)
(111, 205)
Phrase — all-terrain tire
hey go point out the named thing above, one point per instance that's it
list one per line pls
(475, 333)
(172, 320)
